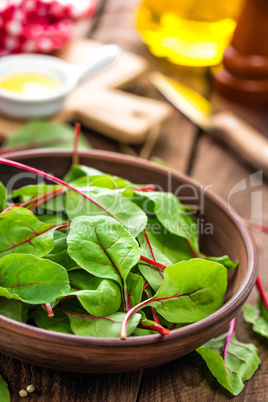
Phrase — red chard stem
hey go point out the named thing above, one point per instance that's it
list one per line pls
(133, 310)
(155, 327)
(261, 292)
(152, 262)
(149, 244)
(228, 338)
(154, 314)
(49, 310)
(77, 128)
(191, 249)
(9, 208)
(150, 187)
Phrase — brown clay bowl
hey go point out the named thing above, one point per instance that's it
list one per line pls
(100, 355)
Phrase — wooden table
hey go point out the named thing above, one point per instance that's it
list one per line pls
(210, 162)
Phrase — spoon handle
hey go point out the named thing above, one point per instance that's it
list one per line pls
(101, 59)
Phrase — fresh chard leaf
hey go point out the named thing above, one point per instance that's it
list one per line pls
(102, 246)
(191, 290)
(21, 232)
(135, 288)
(59, 252)
(99, 297)
(3, 197)
(41, 197)
(78, 171)
(102, 181)
(153, 326)
(58, 323)
(241, 362)
(4, 392)
(102, 327)
(173, 247)
(153, 275)
(83, 176)
(44, 134)
(32, 280)
(14, 309)
(224, 260)
(107, 203)
(258, 317)
(32, 190)
(173, 216)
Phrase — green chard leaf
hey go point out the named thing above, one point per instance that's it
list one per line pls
(45, 134)
(26, 193)
(58, 323)
(241, 362)
(103, 247)
(4, 392)
(14, 309)
(191, 290)
(224, 260)
(21, 232)
(99, 297)
(30, 191)
(135, 288)
(258, 316)
(101, 327)
(108, 203)
(3, 197)
(173, 247)
(78, 171)
(32, 280)
(84, 176)
(153, 275)
(173, 216)
(59, 252)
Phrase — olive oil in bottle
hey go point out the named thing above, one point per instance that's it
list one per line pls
(188, 32)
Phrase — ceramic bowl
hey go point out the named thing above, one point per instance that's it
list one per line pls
(45, 105)
(98, 355)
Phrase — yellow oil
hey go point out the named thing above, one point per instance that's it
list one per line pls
(188, 32)
(30, 85)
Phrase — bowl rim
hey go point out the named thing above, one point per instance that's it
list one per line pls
(228, 308)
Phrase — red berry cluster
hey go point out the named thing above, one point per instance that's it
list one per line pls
(39, 26)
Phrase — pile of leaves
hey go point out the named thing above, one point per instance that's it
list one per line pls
(96, 255)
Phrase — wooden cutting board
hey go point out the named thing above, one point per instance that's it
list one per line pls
(100, 102)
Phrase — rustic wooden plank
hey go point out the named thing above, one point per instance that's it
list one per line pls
(72, 387)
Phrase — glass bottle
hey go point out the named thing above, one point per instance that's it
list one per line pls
(188, 32)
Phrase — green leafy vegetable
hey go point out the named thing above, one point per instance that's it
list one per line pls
(32, 280)
(44, 134)
(103, 247)
(99, 297)
(58, 323)
(3, 197)
(103, 327)
(107, 203)
(21, 232)
(4, 392)
(241, 362)
(14, 309)
(258, 316)
(191, 290)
